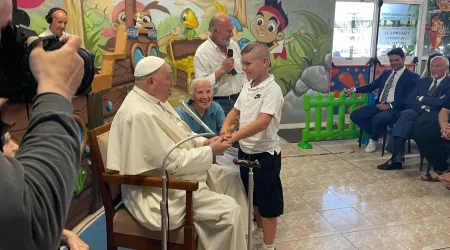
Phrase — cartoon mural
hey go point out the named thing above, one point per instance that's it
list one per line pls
(437, 28)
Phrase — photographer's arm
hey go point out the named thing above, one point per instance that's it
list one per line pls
(38, 185)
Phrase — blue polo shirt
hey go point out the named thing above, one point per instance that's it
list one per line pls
(213, 118)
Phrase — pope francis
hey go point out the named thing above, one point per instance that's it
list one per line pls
(144, 129)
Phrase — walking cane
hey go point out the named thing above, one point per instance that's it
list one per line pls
(250, 165)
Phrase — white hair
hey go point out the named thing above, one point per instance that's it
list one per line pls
(195, 82)
(441, 58)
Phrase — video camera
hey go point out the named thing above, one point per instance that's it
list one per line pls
(17, 83)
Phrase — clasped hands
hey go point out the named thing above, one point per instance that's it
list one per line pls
(219, 144)
(445, 131)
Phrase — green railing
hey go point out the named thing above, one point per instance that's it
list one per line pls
(331, 132)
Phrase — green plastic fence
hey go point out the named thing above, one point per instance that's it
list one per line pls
(330, 131)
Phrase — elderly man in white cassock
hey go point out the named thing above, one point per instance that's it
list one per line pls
(144, 129)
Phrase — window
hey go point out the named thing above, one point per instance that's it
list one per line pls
(352, 35)
(398, 28)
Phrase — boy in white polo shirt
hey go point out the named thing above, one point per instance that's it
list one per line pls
(259, 110)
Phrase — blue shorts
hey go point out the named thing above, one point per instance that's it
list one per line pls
(268, 191)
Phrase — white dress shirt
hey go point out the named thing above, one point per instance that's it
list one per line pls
(390, 98)
(208, 59)
(437, 85)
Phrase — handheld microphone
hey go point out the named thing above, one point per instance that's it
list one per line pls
(230, 55)
(186, 109)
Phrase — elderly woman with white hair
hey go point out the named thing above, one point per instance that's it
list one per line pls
(202, 104)
(210, 112)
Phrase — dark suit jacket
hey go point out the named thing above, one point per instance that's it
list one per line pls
(436, 101)
(403, 88)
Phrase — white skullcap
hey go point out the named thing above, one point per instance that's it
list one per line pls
(148, 65)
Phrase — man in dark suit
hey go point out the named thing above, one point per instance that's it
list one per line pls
(394, 87)
(424, 104)
(426, 131)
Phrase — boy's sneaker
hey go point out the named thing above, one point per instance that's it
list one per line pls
(257, 241)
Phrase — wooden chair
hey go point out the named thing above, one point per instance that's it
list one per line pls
(121, 228)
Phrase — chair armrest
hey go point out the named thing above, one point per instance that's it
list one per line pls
(149, 181)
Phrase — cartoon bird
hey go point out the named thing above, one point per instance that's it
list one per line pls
(190, 23)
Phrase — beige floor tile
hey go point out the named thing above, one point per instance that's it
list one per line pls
(295, 180)
(294, 203)
(415, 210)
(323, 200)
(347, 220)
(383, 215)
(308, 225)
(419, 188)
(292, 151)
(337, 142)
(386, 193)
(316, 150)
(361, 178)
(332, 242)
(329, 158)
(414, 237)
(356, 196)
(341, 167)
(368, 164)
(338, 149)
(302, 161)
(439, 227)
(289, 172)
(284, 233)
(291, 245)
(375, 239)
(315, 170)
(305, 185)
(440, 202)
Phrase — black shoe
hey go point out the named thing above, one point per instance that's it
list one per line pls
(390, 165)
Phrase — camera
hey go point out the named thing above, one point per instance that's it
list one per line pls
(17, 83)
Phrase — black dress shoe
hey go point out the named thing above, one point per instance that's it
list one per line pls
(390, 165)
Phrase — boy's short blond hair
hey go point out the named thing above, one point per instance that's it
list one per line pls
(257, 50)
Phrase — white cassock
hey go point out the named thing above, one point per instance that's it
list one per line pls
(142, 132)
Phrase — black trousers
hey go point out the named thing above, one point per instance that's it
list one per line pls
(427, 135)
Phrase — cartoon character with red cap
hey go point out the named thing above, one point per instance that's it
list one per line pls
(268, 27)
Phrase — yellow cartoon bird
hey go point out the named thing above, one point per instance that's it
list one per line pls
(190, 23)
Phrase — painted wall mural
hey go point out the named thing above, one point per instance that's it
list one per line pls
(300, 39)
(437, 36)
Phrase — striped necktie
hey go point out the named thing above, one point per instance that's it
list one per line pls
(387, 88)
(433, 88)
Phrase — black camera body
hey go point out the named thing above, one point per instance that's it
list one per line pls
(17, 83)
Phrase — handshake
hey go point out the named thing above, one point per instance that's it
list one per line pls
(219, 144)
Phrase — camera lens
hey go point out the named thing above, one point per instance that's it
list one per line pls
(89, 72)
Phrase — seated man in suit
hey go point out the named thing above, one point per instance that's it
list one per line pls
(427, 131)
(394, 87)
(424, 104)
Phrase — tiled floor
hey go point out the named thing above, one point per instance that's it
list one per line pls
(335, 198)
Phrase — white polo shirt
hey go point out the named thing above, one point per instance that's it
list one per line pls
(264, 98)
(208, 59)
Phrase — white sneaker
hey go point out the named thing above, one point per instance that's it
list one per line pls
(372, 146)
(257, 241)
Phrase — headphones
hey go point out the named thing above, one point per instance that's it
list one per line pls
(49, 16)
